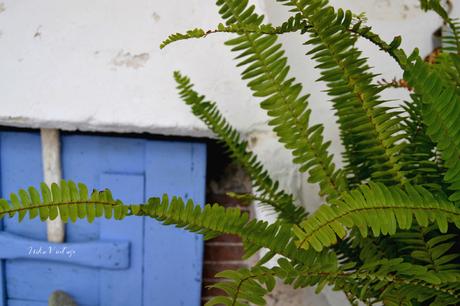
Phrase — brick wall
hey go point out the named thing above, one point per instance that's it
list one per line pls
(224, 252)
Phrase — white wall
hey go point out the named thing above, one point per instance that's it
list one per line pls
(96, 65)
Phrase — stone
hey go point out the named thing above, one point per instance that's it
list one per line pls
(60, 298)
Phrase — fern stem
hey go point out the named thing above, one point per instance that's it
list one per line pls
(397, 54)
(63, 203)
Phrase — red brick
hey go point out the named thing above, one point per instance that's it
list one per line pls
(211, 269)
(225, 238)
(223, 252)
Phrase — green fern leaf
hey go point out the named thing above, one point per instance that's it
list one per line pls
(420, 158)
(366, 283)
(433, 249)
(380, 208)
(244, 286)
(440, 109)
(292, 25)
(371, 144)
(65, 200)
(214, 220)
(440, 112)
(266, 71)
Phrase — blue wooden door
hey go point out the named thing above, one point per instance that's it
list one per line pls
(134, 262)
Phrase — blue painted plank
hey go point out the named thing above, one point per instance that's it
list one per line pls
(85, 158)
(2, 263)
(173, 257)
(35, 280)
(20, 166)
(32, 303)
(22, 159)
(95, 254)
(26, 303)
(121, 288)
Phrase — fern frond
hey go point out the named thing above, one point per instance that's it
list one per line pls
(372, 282)
(70, 202)
(451, 37)
(194, 33)
(451, 43)
(244, 286)
(429, 247)
(380, 208)
(249, 286)
(434, 5)
(391, 48)
(214, 220)
(447, 66)
(372, 249)
(420, 156)
(67, 200)
(441, 113)
(267, 75)
(440, 109)
(292, 25)
(446, 60)
(208, 112)
(369, 130)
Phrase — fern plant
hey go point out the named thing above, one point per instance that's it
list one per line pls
(389, 226)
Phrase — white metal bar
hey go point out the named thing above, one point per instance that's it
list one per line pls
(51, 156)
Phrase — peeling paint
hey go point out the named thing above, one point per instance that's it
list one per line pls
(2, 7)
(405, 9)
(156, 17)
(129, 60)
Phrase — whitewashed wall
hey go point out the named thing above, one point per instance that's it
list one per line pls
(96, 66)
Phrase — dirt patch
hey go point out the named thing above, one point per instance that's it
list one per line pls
(128, 60)
(156, 17)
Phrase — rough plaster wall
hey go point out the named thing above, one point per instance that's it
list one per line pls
(95, 65)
